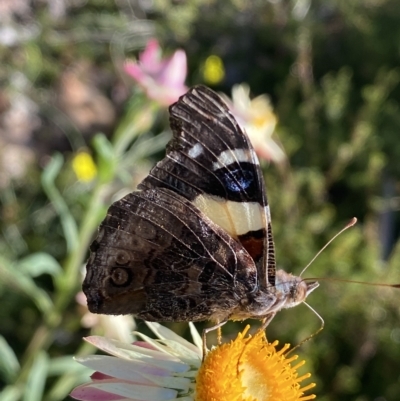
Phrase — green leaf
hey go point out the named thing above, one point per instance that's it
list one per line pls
(37, 378)
(14, 278)
(39, 263)
(10, 393)
(9, 365)
(138, 119)
(67, 221)
(66, 364)
(107, 161)
(69, 374)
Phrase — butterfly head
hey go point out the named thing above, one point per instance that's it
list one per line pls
(293, 289)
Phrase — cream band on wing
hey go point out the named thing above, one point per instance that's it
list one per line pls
(235, 156)
(237, 218)
(268, 213)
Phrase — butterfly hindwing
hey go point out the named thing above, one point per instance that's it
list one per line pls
(157, 256)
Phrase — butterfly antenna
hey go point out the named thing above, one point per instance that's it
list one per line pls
(312, 335)
(350, 224)
(341, 280)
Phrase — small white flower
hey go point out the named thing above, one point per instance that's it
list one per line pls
(258, 119)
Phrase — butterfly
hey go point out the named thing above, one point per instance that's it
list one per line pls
(194, 242)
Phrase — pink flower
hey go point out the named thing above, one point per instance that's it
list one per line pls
(162, 80)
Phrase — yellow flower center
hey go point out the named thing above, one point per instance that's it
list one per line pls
(250, 369)
(261, 113)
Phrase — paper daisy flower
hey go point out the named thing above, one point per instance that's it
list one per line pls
(170, 368)
(251, 369)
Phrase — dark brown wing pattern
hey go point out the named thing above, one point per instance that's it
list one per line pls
(203, 130)
(160, 258)
(211, 162)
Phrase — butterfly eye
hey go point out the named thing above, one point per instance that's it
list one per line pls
(120, 277)
(122, 258)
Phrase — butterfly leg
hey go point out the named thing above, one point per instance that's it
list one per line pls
(208, 330)
(267, 320)
(219, 335)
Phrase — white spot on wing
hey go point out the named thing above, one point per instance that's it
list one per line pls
(236, 155)
(237, 218)
(196, 150)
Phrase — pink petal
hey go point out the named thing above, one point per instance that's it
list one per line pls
(162, 80)
(87, 393)
(143, 344)
(174, 73)
(151, 56)
(100, 376)
(136, 72)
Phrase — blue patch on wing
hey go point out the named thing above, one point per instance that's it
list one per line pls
(238, 180)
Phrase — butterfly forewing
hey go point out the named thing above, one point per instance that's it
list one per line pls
(211, 162)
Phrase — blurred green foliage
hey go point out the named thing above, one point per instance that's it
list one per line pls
(332, 71)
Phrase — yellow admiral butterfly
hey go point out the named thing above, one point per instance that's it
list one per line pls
(195, 241)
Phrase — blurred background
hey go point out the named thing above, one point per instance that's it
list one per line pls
(85, 87)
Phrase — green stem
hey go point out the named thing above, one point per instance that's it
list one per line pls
(66, 284)
(135, 123)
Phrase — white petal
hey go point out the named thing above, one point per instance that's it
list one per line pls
(174, 348)
(156, 344)
(192, 358)
(241, 97)
(105, 345)
(134, 371)
(139, 392)
(125, 350)
(121, 368)
(162, 359)
(128, 370)
(196, 337)
(119, 327)
(167, 334)
(179, 383)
